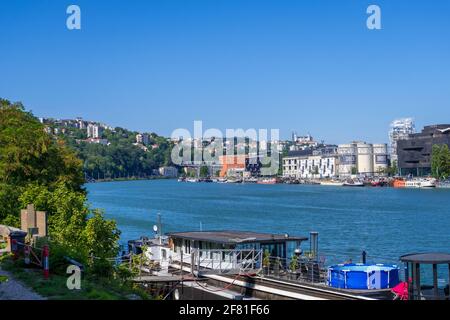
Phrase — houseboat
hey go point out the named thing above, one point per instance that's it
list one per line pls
(264, 265)
(268, 181)
(353, 183)
(221, 250)
(399, 183)
(420, 183)
(415, 183)
(333, 183)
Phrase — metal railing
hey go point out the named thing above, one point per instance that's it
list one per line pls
(224, 261)
(303, 269)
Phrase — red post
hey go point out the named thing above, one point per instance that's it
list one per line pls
(45, 263)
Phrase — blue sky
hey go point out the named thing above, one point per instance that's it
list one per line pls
(305, 65)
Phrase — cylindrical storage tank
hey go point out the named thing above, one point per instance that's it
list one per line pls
(347, 159)
(365, 158)
(380, 158)
(363, 276)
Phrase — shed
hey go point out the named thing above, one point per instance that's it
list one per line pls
(11, 233)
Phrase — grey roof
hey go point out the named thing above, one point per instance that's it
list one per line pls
(11, 231)
(427, 258)
(300, 153)
(233, 237)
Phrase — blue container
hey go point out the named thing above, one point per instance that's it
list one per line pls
(363, 276)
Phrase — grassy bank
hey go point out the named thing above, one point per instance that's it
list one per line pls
(55, 287)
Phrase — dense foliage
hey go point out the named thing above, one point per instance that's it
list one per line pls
(440, 161)
(28, 154)
(40, 169)
(120, 158)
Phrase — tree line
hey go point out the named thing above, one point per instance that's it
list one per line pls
(120, 158)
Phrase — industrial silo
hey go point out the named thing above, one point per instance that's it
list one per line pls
(365, 158)
(380, 158)
(347, 159)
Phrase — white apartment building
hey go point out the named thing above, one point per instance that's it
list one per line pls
(143, 138)
(310, 166)
(94, 131)
(400, 129)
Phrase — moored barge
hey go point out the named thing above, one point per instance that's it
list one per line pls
(256, 265)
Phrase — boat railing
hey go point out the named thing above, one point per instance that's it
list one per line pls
(230, 261)
(301, 269)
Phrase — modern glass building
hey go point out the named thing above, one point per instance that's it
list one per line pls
(414, 152)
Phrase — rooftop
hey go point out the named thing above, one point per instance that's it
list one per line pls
(300, 153)
(233, 237)
(11, 231)
(427, 258)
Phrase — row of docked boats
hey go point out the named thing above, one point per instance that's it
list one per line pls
(232, 180)
(346, 183)
(385, 182)
(350, 182)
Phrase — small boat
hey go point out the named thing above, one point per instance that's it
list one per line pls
(333, 183)
(268, 181)
(182, 179)
(234, 181)
(399, 183)
(192, 180)
(420, 183)
(445, 184)
(221, 180)
(353, 183)
(378, 183)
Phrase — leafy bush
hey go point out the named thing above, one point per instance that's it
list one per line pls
(35, 168)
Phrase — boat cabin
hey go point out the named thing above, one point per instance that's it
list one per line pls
(222, 250)
(277, 245)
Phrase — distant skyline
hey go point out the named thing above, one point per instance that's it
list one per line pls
(305, 66)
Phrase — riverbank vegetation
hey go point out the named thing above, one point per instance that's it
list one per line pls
(36, 168)
(440, 161)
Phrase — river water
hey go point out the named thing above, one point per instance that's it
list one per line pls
(385, 222)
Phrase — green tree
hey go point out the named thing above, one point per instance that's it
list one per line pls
(29, 154)
(293, 265)
(393, 169)
(100, 237)
(440, 161)
(316, 170)
(204, 172)
(36, 168)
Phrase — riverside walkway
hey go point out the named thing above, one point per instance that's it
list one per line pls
(13, 289)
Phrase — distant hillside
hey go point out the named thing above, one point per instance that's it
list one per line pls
(114, 153)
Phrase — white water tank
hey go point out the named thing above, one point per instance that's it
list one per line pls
(365, 158)
(347, 158)
(380, 158)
